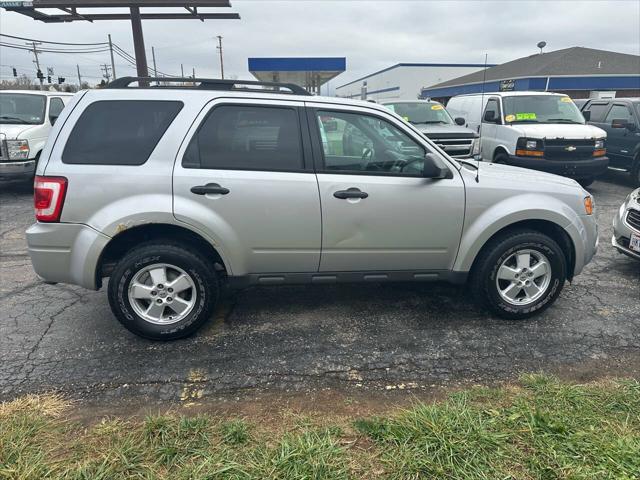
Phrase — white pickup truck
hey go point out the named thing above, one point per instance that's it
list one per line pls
(26, 118)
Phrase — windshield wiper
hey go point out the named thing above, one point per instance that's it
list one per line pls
(563, 120)
(428, 122)
(15, 119)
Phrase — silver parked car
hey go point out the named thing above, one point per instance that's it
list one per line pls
(626, 226)
(172, 191)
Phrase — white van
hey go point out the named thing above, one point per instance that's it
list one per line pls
(26, 117)
(539, 130)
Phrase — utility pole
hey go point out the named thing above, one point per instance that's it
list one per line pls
(181, 71)
(79, 77)
(106, 71)
(113, 65)
(155, 71)
(138, 43)
(36, 61)
(219, 47)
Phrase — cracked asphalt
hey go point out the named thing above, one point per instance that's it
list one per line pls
(350, 338)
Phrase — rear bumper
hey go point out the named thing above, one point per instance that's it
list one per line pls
(66, 252)
(572, 169)
(17, 170)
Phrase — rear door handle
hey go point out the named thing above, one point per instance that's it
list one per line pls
(350, 193)
(212, 188)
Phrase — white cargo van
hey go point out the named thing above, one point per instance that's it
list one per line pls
(26, 117)
(539, 130)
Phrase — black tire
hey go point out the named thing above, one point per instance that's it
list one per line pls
(483, 275)
(200, 271)
(635, 172)
(501, 158)
(585, 182)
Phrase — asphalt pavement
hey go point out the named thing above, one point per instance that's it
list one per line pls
(354, 338)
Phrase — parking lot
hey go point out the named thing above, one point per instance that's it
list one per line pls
(350, 338)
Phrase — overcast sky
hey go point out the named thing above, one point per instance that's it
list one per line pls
(370, 34)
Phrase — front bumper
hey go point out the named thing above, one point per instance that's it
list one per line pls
(622, 231)
(617, 244)
(66, 252)
(567, 168)
(18, 169)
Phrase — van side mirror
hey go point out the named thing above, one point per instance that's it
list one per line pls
(587, 115)
(433, 168)
(490, 116)
(460, 121)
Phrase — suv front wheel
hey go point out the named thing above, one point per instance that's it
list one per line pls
(519, 274)
(163, 291)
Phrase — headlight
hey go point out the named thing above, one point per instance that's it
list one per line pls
(18, 149)
(599, 143)
(526, 147)
(475, 149)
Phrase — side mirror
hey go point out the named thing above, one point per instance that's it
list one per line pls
(587, 115)
(490, 116)
(433, 168)
(618, 123)
(460, 121)
(53, 118)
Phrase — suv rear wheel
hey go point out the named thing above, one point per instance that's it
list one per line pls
(162, 291)
(519, 274)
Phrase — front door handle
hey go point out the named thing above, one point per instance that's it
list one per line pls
(212, 188)
(350, 193)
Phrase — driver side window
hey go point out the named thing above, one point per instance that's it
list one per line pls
(356, 143)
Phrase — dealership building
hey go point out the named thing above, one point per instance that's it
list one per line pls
(578, 72)
(403, 80)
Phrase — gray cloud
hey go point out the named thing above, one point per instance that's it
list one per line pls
(372, 35)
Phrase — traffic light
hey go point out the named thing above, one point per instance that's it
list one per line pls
(40, 75)
(60, 80)
(15, 72)
(48, 78)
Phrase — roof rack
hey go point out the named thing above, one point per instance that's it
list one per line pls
(209, 84)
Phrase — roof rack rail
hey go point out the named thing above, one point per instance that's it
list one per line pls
(209, 84)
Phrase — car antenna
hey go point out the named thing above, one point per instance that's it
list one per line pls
(484, 78)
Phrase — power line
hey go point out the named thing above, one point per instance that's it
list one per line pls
(49, 50)
(46, 41)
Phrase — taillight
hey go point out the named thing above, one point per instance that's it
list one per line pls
(48, 197)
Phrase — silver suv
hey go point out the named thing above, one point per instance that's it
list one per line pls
(172, 191)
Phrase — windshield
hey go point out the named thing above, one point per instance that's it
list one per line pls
(541, 109)
(421, 112)
(22, 108)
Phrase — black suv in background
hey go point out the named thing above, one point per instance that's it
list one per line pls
(620, 118)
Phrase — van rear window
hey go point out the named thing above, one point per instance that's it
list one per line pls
(119, 132)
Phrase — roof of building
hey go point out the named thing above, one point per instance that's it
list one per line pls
(568, 61)
(299, 64)
(478, 65)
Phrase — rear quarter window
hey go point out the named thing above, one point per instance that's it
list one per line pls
(119, 132)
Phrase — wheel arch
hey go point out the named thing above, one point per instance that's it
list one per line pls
(500, 149)
(120, 244)
(547, 227)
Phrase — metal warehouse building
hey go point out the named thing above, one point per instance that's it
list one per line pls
(403, 80)
(578, 72)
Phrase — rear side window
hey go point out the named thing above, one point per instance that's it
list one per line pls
(119, 132)
(245, 137)
(619, 112)
(597, 111)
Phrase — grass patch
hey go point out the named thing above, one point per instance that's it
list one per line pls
(540, 428)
